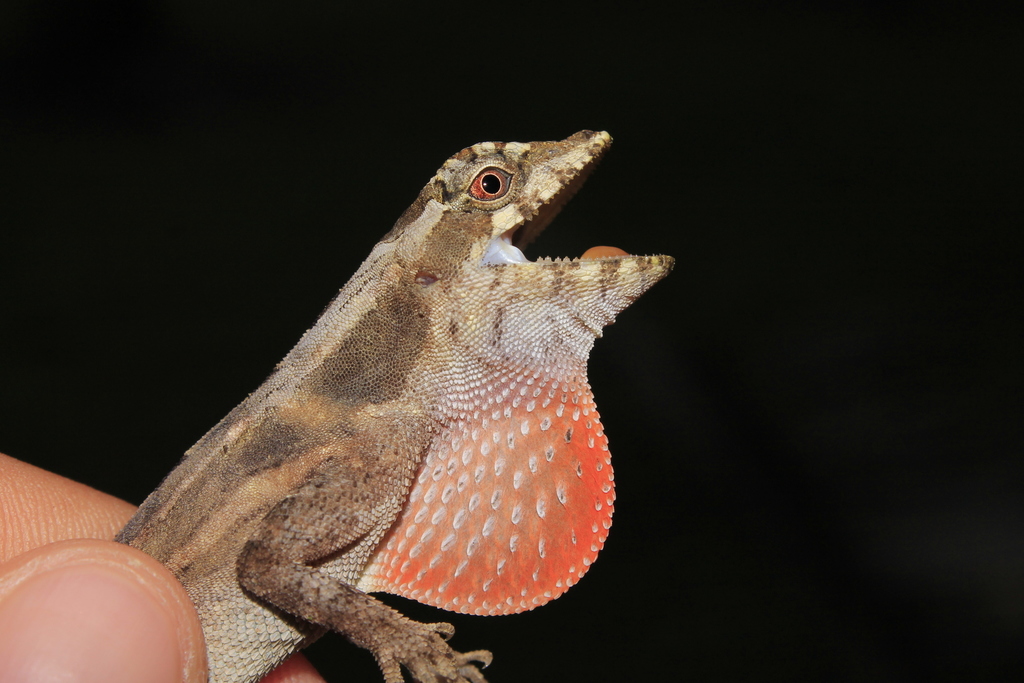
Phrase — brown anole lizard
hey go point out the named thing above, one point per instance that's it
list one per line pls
(433, 436)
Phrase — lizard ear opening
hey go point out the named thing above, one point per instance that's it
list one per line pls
(424, 278)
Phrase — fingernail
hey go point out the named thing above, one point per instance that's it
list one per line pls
(87, 624)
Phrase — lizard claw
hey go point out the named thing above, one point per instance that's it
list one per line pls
(483, 657)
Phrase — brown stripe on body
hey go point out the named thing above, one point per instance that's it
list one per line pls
(265, 447)
(373, 362)
(446, 251)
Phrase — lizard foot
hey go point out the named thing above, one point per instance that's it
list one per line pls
(422, 650)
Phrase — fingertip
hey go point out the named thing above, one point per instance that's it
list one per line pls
(296, 669)
(96, 611)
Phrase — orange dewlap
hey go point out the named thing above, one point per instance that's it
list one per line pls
(509, 510)
(601, 252)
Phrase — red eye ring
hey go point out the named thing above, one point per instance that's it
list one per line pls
(489, 184)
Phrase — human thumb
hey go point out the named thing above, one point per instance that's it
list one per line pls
(94, 611)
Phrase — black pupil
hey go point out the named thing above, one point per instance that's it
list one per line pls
(490, 183)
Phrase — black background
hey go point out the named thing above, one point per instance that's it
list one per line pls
(816, 419)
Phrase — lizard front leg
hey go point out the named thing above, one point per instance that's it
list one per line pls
(325, 517)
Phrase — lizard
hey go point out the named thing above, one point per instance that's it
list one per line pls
(433, 435)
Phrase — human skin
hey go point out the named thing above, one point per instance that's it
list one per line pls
(75, 606)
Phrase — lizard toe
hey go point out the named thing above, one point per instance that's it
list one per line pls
(470, 671)
(443, 629)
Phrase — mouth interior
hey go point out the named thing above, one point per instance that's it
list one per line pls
(500, 250)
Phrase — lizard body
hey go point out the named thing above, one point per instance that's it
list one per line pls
(433, 435)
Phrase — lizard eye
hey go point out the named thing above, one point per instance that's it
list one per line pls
(490, 183)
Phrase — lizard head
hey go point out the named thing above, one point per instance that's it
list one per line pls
(463, 244)
(521, 186)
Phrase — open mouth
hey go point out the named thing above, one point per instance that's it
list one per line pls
(502, 250)
(507, 248)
